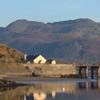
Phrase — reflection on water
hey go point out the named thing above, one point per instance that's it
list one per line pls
(54, 91)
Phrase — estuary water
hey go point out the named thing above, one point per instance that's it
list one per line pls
(54, 90)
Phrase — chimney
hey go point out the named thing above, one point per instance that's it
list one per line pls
(25, 57)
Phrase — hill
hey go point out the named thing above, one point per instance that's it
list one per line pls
(9, 61)
(68, 41)
(9, 55)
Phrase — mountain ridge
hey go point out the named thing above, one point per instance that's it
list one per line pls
(69, 41)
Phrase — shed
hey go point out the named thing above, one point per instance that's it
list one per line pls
(51, 61)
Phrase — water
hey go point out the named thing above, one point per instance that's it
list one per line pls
(55, 90)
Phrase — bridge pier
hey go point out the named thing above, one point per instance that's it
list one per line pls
(82, 71)
(93, 73)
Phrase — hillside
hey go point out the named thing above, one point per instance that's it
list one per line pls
(10, 61)
(67, 41)
(8, 55)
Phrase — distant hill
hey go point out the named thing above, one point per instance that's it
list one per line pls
(69, 41)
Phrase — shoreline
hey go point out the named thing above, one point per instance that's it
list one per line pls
(7, 83)
(37, 80)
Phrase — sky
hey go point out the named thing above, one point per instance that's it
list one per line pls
(48, 10)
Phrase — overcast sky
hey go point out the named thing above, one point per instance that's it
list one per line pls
(48, 10)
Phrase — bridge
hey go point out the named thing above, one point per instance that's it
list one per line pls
(88, 71)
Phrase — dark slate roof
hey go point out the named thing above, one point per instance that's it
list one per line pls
(49, 60)
(32, 57)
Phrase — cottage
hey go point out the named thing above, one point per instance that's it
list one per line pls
(51, 61)
(38, 59)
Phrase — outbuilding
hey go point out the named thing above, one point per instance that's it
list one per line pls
(51, 61)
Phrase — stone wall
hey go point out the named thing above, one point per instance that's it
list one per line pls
(52, 70)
